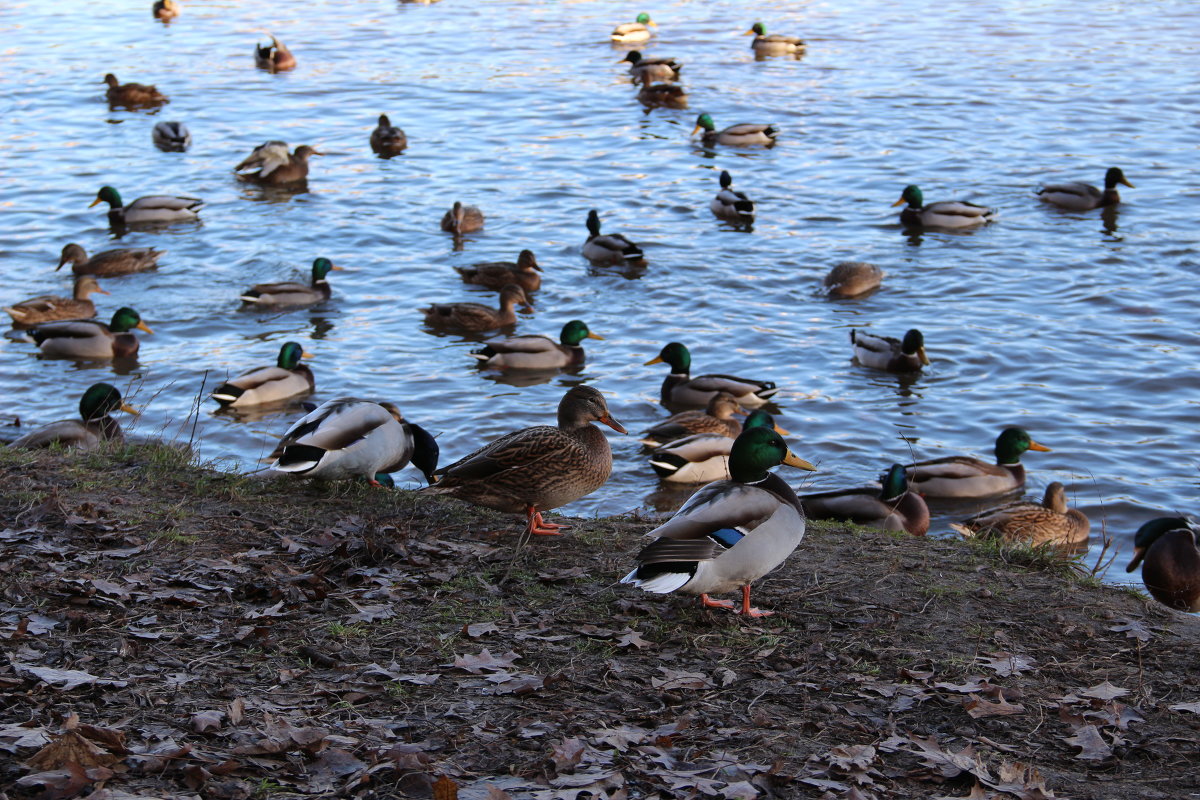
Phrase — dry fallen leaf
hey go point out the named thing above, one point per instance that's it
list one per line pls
(207, 721)
(477, 629)
(70, 748)
(1006, 664)
(1192, 707)
(444, 788)
(1091, 744)
(1104, 691)
(566, 755)
(632, 638)
(484, 661)
(65, 678)
(677, 679)
(977, 707)
(1133, 629)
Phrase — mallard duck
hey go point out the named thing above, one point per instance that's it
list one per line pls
(656, 95)
(609, 248)
(293, 293)
(476, 316)
(537, 352)
(94, 426)
(853, 278)
(132, 95)
(274, 57)
(171, 137)
(1048, 522)
(348, 437)
(166, 10)
(49, 308)
(887, 353)
(525, 273)
(90, 340)
(462, 219)
(730, 205)
(109, 263)
(387, 139)
(1084, 196)
(636, 31)
(745, 134)
(263, 385)
(964, 476)
(774, 44)
(703, 457)
(680, 389)
(150, 210)
(944, 214)
(717, 417)
(894, 507)
(272, 165)
(540, 468)
(649, 70)
(1172, 562)
(729, 533)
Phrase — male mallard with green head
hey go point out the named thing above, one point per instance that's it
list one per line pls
(265, 385)
(1171, 571)
(93, 427)
(679, 388)
(90, 340)
(540, 468)
(744, 134)
(703, 457)
(894, 507)
(636, 31)
(150, 210)
(774, 44)
(964, 476)
(537, 352)
(293, 293)
(608, 248)
(1084, 196)
(888, 353)
(942, 214)
(729, 533)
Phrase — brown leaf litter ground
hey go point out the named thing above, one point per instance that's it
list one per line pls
(173, 631)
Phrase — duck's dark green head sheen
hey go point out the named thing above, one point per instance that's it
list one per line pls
(574, 332)
(759, 28)
(108, 194)
(914, 340)
(755, 451)
(1115, 176)
(1150, 531)
(289, 356)
(895, 483)
(643, 18)
(321, 268)
(913, 196)
(676, 355)
(1012, 442)
(100, 400)
(706, 122)
(759, 419)
(633, 57)
(125, 319)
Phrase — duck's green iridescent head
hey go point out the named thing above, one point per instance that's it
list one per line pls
(895, 483)
(575, 332)
(633, 57)
(1151, 532)
(108, 194)
(644, 18)
(757, 450)
(758, 29)
(759, 418)
(676, 355)
(914, 344)
(912, 196)
(290, 355)
(705, 121)
(321, 268)
(1012, 442)
(126, 319)
(100, 400)
(1115, 176)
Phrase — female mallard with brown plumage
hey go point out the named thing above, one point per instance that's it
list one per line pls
(165, 10)
(132, 95)
(293, 293)
(274, 57)
(49, 308)
(273, 165)
(1171, 571)
(852, 278)
(265, 385)
(462, 219)
(888, 353)
(1048, 522)
(965, 476)
(540, 468)
(348, 437)
(93, 427)
(477, 317)
(387, 139)
(125, 261)
(729, 533)
(894, 507)
(152, 209)
(90, 340)
(679, 388)
(1084, 196)
(524, 272)
(716, 418)
(537, 352)
(703, 457)
(659, 95)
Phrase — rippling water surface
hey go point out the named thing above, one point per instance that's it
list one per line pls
(1078, 326)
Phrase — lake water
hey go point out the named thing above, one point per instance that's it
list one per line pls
(1079, 327)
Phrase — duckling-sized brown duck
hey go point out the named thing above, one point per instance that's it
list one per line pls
(1172, 562)
(894, 507)
(852, 279)
(540, 468)
(49, 308)
(132, 95)
(272, 165)
(716, 418)
(462, 219)
(94, 426)
(1048, 522)
(166, 10)
(274, 57)
(387, 139)
(293, 293)
(89, 340)
(525, 273)
(477, 317)
(125, 261)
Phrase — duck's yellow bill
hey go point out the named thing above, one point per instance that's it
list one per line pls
(306, 355)
(898, 202)
(338, 269)
(795, 461)
(655, 360)
(94, 202)
(141, 326)
(595, 336)
(695, 130)
(921, 354)
(128, 409)
(1126, 182)
(1039, 447)
(781, 431)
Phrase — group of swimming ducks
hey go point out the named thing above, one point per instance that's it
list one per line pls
(742, 524)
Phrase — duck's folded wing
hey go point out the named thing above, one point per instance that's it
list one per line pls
(522, 344)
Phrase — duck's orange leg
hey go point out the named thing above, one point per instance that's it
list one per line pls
(749, 610)
(538, 526)
(708, 602)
